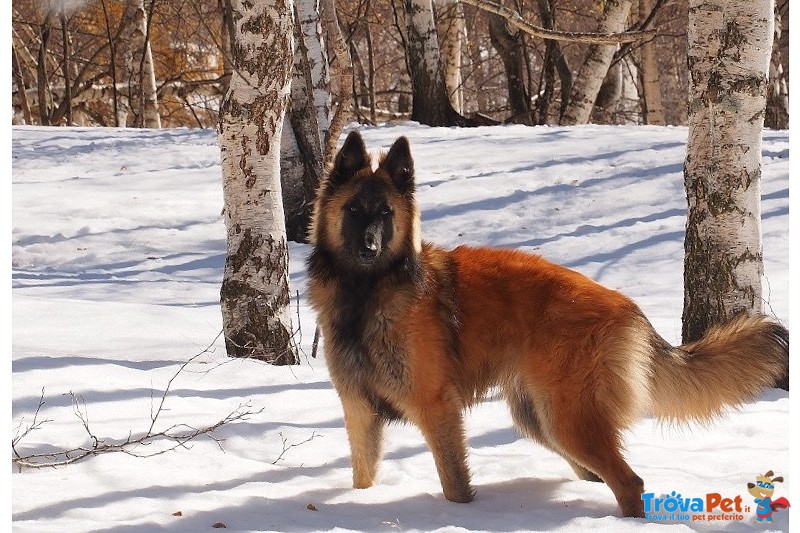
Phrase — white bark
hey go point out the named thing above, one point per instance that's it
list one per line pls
(308, 12)
(423, 24)
(452, 33)
(729, 49)
(340, 85)
(255, 291)
(143, 70)
(430, 102)
(598, 58)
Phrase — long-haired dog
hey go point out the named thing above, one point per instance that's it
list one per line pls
(417, 333)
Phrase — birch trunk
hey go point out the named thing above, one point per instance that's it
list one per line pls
(143, 71)
(255, 291)
(452, 29)
(729, 49)
(652, 109)
(302, 143)
(429, 100)
(308, 12)
(777, 116)
(344, 67)
(598, 58)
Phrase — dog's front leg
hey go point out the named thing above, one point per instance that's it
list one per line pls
(442, 425)
(365, 432)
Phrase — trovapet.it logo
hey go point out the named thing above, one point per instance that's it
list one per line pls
(713, 506)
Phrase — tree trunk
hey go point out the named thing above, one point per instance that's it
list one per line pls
(478, 71)
(255, 289)
(302, 142)
(19, 81)
(652, 110)
(777, 116)
(729, 49)
(451, 28)
(42, 80)
(509, 45)
(598, 59)
(310, 18)
(429, 100)
(554, 60)
(227, 31)
(62, 17)
(143, 74)
(344, 67)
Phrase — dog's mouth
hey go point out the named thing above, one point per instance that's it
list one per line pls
(367, 256)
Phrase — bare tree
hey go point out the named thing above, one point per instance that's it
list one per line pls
(143, 72)
(451, 28)
(554, 62)
(306, 123)
(255, 290)
(430, 101)
(595, 66)
(730, 43)
(777, 115)
(653, 111)
(510, 46)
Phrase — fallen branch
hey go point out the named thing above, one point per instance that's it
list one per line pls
(515, 19)
(178, 435)
(287, 447)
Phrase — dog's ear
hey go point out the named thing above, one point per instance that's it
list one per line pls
(351, 158)
(400, 166)
(779, 478)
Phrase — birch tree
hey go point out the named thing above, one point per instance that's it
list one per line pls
(255, 292)
(143, 76)
(777, 116)
(652, 109)
(451, 27)
(510, 47)
(729, 50)
(430, 103)
(306, 124)
(595, 66)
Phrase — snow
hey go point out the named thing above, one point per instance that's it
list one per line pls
(117, 257)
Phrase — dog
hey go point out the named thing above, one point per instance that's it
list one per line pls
(416, 333)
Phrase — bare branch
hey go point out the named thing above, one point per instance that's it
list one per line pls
(288, 447)
(515, 19)
(179, 435)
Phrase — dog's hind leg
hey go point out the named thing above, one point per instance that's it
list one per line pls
(365, 432)
(590, 438)
(523, 412)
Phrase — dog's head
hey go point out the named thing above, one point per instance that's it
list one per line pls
(367, 219)
(764, 487)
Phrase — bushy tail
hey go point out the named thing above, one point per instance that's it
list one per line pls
(730, 365)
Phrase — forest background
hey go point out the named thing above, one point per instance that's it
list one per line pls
(85, 62)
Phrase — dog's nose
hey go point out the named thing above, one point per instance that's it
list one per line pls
(371, 242)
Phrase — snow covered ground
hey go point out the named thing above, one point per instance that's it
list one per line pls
(117, 256)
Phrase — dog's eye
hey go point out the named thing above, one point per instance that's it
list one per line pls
(353, 209)
(385, 212)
